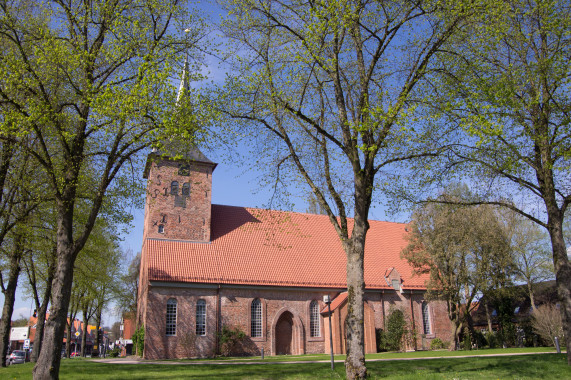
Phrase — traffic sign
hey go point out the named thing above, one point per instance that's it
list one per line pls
(26, 343)
(77, 333)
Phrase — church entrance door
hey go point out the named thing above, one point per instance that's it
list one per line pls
(284, 335)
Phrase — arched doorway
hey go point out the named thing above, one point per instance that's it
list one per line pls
(284, 334)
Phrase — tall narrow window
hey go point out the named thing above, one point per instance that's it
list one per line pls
(314, 325)
(186, 189)
(171, 317)
(174, 188)
(426, 318)
(201, 317)
(256, 319)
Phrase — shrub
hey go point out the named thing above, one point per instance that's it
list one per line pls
(438, 344)
(228, 339)
(529, 336)
(491, 339)
(396, 329)
(380, 334)
(479, 339)
(467, 341)
(546, 322)
(139, 340)
(508, 333)
(114, 353)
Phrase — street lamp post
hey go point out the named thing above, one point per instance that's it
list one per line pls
(327, 300)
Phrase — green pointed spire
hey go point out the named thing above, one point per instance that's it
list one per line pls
(184, 87)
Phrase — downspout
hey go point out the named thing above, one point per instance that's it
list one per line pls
(412, 316)
(216, 336)
(383, 308)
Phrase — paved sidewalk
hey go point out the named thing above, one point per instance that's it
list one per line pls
(242, 361)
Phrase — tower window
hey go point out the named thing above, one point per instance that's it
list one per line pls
(186, 189)
(161, 229)
(174, 188)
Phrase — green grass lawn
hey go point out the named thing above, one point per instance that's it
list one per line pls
(382, 355)
(541, 366)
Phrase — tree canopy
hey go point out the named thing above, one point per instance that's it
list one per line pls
(466, 251)
(500, 94)
(89, 84)
(322, 89)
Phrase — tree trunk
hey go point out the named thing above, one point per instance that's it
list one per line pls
(9, 298)
(354, 324)
(48, 363)
(41, 322)
(531, 297)
(41, 315)
(84, 333)
(562, 276)
(95, 351)
(69, 338)
(488, 317)
(457, 326)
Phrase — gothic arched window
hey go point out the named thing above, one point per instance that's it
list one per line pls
(314, 319)
(426, 318)
(256, 319)
(201, 317)
(171, 317)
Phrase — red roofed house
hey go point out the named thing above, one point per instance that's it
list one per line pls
(207, 266)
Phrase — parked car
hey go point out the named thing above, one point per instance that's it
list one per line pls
(17, 357)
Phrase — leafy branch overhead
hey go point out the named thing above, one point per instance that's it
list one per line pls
(326, 91)
(89, 83)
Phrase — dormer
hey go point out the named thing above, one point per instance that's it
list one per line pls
(393, 279)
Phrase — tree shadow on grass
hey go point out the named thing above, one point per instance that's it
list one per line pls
(547, 366)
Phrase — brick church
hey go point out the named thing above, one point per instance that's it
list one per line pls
(266, 272)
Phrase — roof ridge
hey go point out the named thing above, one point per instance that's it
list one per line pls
(305, 213)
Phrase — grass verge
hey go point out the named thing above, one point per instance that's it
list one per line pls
(541, 366)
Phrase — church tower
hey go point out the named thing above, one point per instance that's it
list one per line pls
(179, 190)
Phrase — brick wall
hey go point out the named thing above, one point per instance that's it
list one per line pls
(233, 305)
(185, 343)
(182, 216)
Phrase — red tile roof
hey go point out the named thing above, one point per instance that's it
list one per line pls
(275, 248)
